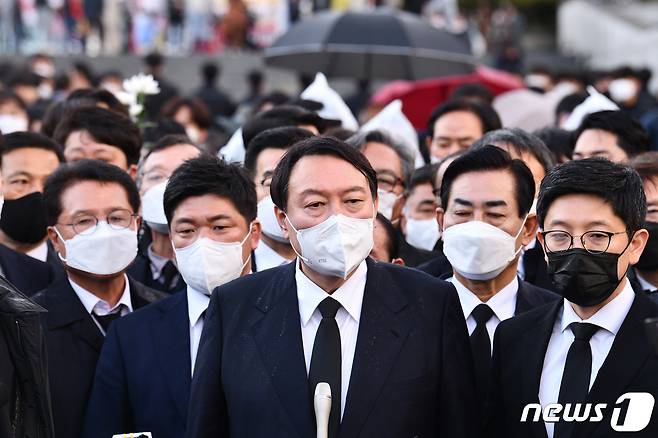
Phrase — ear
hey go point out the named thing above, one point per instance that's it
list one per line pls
(255, 234)
(529, 231)
(398, 262)
(281, 219)
(57, 243)
(440, 215)
(635, 248)
(132, 171)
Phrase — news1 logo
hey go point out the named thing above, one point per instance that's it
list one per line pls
(631, 412)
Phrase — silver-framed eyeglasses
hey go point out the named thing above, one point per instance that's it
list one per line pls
(87, 224)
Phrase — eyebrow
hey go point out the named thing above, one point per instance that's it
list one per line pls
(428, 202)
(443, 137)
(589, 224)
(495, 203)
(218, 217)
(19, 173)
(322, 193)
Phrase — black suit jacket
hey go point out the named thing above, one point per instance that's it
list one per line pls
(140, 270)
(520, 345)
(143, 377)
(535, 268)
(28, 274)
(411, 374)
(527, 297)
(73, 342)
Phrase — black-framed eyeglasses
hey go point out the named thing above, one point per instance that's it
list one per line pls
(87, 224)
(594, 242)
(388, 183)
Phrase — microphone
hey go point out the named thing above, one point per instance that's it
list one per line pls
(322, 405)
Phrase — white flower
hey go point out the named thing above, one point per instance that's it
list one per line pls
(126, 98)
(141, 84)
(135, 110)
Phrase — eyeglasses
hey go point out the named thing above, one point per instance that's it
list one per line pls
(87, 224)
(594, 242)
(388, 182)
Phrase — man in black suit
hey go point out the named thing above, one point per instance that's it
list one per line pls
(589, 349)
(390, 341)
(154, 265)
(486, 222)
(91, 211)
(144, 372)
(535, 154)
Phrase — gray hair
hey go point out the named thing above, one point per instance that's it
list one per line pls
(520, 142)
(360, 140)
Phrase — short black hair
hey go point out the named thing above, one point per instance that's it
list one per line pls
(154, 60)
(104, 126)
(569, 103)
(423, 175)
(168, 141)
(70, 174)
(210, 72)
(19, 140)
(646, 165)
(210, 175)
(393, 246)
(473, 92)
(618, 185)
(631, 135)
(558, 141)
(488, 116)
(317, 146)
(96, 97)
(282, 115)
(275, 138)
(6, 96)
(488, 158)
(520, 142)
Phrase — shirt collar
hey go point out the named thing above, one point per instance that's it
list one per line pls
(644, 284)
(503, 303)
(91, 302)
(349, 295)
(610, 317)
(197, 303)
(157, 262)
(40, 252)
(266, 257)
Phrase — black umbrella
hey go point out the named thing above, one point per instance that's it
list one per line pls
(384, 44)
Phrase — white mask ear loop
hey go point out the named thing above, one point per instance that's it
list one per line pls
(516, 253)
(251, 228)
(304, 259)
(63, 242)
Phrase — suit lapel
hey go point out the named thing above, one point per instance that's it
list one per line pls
(535, 343)
(278, 335)
(629, 351)
(171, 339)
(66, 309)
(382, 332)
(523, 299)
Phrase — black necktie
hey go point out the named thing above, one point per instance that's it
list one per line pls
(577, 371)
(481, 348)
(106, 320)
(167, 275)
(326, 360)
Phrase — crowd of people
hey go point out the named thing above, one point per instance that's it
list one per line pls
(152, 282)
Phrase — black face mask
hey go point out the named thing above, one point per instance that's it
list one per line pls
(24, 219)
(649, 258)
(582, 278)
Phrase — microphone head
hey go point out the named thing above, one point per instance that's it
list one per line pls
(322, 390)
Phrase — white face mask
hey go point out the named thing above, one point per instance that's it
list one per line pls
(153, 208)
(193, 133)
(207, 264)
(268, 221)
(422, 233)
(387, 201)
(10, 123)
(622, 90)
(479, 251)
(106, 251)
(336, 246)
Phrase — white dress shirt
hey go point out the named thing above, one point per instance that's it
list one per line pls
(350, 296)
(609, 318)
(644, 283)
(101, 307)
(197, 303)
(503, 305)
(40, 252)
(156, 261)
(267, 258)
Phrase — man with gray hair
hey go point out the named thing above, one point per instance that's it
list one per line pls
(523, 146)
(394, 166)
(535, 154)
